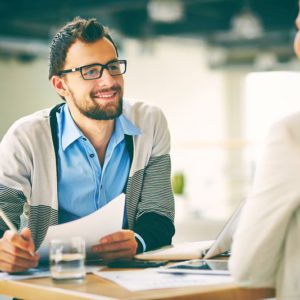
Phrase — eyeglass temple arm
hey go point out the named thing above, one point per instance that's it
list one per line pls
(69, 71)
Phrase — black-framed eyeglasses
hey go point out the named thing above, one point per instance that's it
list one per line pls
(94, 71)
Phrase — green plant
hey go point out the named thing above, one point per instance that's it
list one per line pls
(178, 182)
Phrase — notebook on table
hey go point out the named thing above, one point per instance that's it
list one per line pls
(201, 249)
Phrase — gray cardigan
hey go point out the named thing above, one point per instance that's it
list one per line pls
(28, 175)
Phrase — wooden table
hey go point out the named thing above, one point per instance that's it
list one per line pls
(95, 287)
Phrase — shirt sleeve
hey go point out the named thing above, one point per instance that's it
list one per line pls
(141, 243)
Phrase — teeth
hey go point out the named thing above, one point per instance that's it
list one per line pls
(105, 95)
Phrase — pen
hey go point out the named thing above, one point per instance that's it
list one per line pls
(10, 225)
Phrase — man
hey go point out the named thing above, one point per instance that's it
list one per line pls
(265, 250)
(64, 163)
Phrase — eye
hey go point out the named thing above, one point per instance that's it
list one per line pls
(91, 71)
(114, 66)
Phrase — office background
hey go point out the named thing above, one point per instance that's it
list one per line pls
(221, 70)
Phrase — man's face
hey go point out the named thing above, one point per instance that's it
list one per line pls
(297, 37)
(99, 99)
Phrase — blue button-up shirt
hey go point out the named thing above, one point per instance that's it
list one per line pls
(83, 185)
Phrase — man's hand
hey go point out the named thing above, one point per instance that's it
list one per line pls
(119, 245)
(15, 251)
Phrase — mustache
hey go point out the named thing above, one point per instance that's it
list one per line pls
(114, 88)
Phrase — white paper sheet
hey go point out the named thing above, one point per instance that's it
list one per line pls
(102, 222)
(31, 273)
(150, 279)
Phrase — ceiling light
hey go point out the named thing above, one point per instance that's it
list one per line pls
(166, 11)
(265, 61)
(246, 25)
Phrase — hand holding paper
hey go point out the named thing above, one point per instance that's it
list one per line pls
(118, 245)
(93, 227)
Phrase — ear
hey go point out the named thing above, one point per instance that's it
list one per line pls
(59, 85)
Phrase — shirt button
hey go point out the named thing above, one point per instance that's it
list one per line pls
(84, 139)
(92, 155)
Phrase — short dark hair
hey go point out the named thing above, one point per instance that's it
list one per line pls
(86, 30)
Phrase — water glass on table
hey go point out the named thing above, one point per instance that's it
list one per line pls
(67, 258)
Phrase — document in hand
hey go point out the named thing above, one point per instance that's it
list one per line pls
(102, 222)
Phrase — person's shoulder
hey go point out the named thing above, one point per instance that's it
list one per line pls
(291, 120)
(31, 122)
(143, 113)
(288, 126)
(139, 107)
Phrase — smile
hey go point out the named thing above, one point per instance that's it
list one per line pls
(105, 95)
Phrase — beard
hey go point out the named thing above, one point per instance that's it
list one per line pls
(93, 110)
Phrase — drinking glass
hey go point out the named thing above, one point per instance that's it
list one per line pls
(67, 259)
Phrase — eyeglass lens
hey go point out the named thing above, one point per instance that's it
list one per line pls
(95, 71)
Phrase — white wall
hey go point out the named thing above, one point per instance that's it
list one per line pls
(172, 73)
(24, 88)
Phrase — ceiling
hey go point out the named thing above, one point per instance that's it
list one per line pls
(210, 20)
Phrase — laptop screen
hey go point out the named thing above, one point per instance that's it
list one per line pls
(224, 239)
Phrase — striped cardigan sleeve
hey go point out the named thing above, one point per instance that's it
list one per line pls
(15, 168)
(26, 175)
(155, 210)
(11, 202)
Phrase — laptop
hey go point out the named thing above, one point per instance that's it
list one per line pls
(196, 250)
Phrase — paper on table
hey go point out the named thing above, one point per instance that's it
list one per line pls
(102, 222)
(150, 279)
(31, 273)
(40, 272)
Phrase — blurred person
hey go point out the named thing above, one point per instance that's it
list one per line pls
(265, 251)
(60, 164)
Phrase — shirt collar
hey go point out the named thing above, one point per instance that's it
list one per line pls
(124, 126)
(128, 127)
(71, 133)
